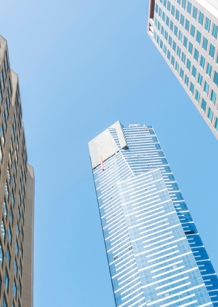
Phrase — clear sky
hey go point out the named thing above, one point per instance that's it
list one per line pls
(82, 66)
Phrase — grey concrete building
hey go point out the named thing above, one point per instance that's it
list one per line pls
(16, 194)
(186, 34)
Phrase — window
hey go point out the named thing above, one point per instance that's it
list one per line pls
(11, 217)
(1, 255)
(177, 67)
(183, 57)
(182, 19)
(202, 61)
(201, 18)
(215, 30)
(180, 36)
(6, 280)
(9, 235)
(210, 114)
(213, 97)
(215, 78)
(181, 74)
(174, 45)
(168, 6)
(185, 41)
(206, 87)
(203, 105)
(186, 80)
(3, 230)
(196, 54)
(4, 209)
(187, 24)
(166, 35)
(197, 95)
(192, 88)
(167, 21)
(200, 79)
(209, 69)
(168, 54)
(175, 30)
(177, 15)
(178, 51)
(207, 24)
(173, 10)
(192, 32)
(8, 257)
(204, 44)
(171, 25)
(4, 303)
(188, 64)
(14, 289)
(15, 268)
(184, 3)
(216, 124)
(172, 60)
(189, 7)
(212, 50)
(195, 12)
(190, 47)
(194, 71)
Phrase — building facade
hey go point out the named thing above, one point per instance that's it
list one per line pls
(16, 194)
(155, 254)
(186, 34)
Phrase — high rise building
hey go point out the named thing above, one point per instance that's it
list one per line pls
(16, 194)
(186, 34)
(155, 254)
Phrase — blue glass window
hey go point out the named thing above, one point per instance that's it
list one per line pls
(189, 7)
(180, 36)
(178, 1)
(3, 230)
(177, 66)
(14, 289)
(192, 88)
(182, 19)
(194, 71)
(183, 57)
(192, 32)
(209, 69)
(186, 80)
(170, 40)
(174, 45)
(197, 96)
(171, 25)
(173, 10)
(216, 124)
(200, 78)
(217, 59)
(215, 78)
(203, 105)
(15, 268)
(167, 21)
(8, 257)
(210, 114)
(172, 60)
(165, 3)
(168, 6)
(163, 16)
(204, 44)
(175, 30)
(178, 51)
(215, 30)
(188, 64)
(164, 49)
(212, 50)
(181, 73)
(196, 54)
(207, 24)
(202, 61)
(206, 87)
(177, 15)
(195, 12)
(198, 37)
(9, 235)
(166, 35)
(168, 54)
(213, 96)
(201, 18)
(187, 24)
(6, 280)
(185, 41)
(4, 303)
(184, 3)
(1, 256)
(190, 47)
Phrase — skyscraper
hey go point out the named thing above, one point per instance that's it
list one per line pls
(16, 194)
(185, 32)
(155, 254)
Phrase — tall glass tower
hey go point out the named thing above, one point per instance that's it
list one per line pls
(155, 254)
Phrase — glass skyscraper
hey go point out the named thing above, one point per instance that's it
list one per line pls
(186, 34)
(155, 254)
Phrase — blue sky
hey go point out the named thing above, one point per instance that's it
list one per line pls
(82, 66)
